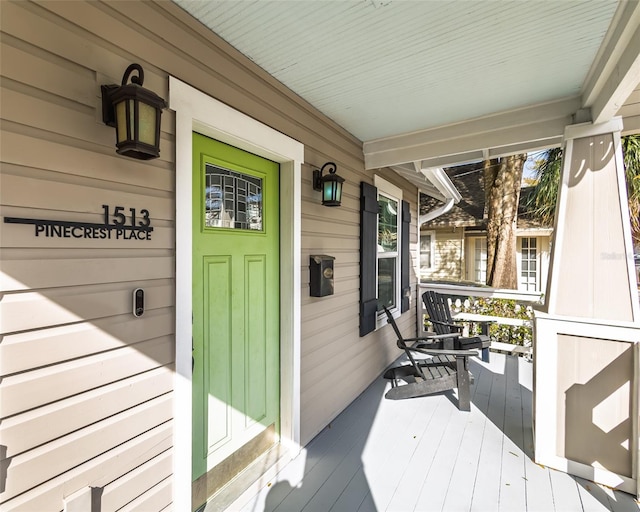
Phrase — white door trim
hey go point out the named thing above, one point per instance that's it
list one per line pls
(195, 111)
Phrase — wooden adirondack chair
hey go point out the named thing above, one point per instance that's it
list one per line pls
(439, 313)
(447, 369)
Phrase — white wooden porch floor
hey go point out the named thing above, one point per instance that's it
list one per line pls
(424, 454)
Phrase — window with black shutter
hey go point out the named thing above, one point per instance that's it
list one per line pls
(384, 252)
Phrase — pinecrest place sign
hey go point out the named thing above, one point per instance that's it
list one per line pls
(116, 226)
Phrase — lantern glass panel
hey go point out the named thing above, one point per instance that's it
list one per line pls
(147, 124)
(329, 190)
(121, 119)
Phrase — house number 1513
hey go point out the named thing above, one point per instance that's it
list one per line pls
(118, 217)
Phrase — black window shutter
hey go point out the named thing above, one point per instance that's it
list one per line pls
(368, 256)
(405, 257)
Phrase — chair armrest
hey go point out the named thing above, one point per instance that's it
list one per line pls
(446, 324)
(426, 339)
(443, 352)
(445, 336)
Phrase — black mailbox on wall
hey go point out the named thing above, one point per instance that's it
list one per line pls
(321, 275)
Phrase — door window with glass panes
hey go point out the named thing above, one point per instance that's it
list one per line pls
(528, 264)
(479, 260)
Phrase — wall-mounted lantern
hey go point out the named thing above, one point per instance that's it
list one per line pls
(135, 113)
(330, 184)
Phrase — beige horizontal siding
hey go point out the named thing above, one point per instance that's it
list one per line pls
(33, 310)
(86, 388)
(24, 391)
(156, 498)
(54, 195)
(32, 349)
(144, 477)
(447, 264)
(61, 455)
(73, 357)
(333, 347)
(47, 273)
(100, 471)
(38, 426)
(83, 163)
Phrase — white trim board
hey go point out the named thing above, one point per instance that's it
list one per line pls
(548, 328)
(195, 111)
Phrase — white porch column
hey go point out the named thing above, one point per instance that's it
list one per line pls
(586, 337)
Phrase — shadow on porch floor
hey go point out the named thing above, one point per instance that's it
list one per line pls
(424, 454)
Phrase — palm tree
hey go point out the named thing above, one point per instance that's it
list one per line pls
(542, 201)
(631, 151)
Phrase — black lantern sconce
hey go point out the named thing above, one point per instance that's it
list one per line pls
(135, 113)
(330, 184)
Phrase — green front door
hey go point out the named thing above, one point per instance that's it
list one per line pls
(235, 301)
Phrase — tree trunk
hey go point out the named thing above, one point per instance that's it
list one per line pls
(502, 179)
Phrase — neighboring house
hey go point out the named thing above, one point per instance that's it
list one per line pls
(453, 247)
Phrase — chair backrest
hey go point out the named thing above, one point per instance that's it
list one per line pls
(437, 308)
(402, 345)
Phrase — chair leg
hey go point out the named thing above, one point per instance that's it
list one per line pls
(464, 393)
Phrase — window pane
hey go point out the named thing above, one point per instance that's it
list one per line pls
(480, 260)
(387, 225)
(386, 282)
(425, 251)
(232, 200)
(529, 276)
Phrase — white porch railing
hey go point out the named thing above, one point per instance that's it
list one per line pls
(476, 291)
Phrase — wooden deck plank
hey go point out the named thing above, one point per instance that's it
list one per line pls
(358, 415)
(424, 454)
(461, 486)
(538, 482)
(320, 472)
(418, 467)
(565, 491)
(460, 477)
(512, 482)
(354, 494)
(379, 443)
(368, 505)
(592, 496)
(323, 497)
(487, 485)
(433, 494)
(388, 452)
(621, 501)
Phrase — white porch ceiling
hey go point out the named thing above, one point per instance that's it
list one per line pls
(438, 82)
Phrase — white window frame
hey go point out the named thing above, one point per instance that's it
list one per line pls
(390, 191)
(520, 252)
(432, 250)
(472, 261)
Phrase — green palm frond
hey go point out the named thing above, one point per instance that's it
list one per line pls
(631, 152)
(541, 203)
